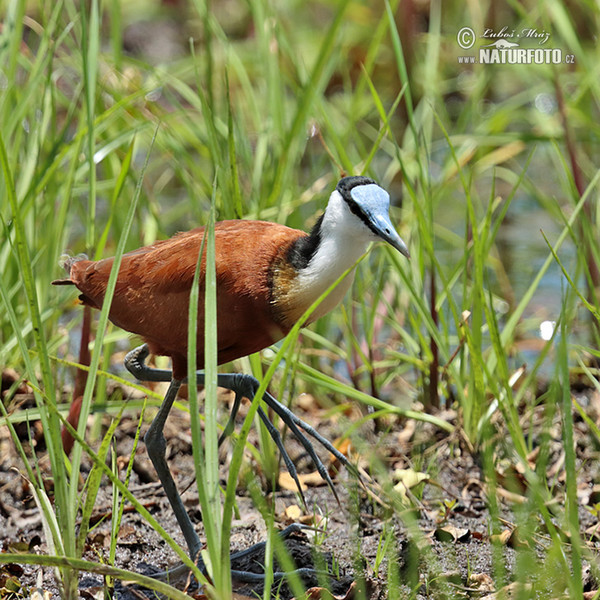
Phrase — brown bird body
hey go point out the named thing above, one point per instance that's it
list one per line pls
(153, 287)
(267, 276)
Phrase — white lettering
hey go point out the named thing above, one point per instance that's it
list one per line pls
(541, 36)
(503, 33)
(520, 56)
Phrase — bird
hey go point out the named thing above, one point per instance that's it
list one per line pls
(267, 276)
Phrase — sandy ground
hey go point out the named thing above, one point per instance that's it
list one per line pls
(440, 546)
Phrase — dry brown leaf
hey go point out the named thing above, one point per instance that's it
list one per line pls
(313, 520)
(516, 541)
(126, 530)
(404, 436)
(293, 512)
(502, 537)
(511, 496)
(319, 593)
(95, 592)
(593, 531)
(511, 476)
(407, 479)
(533, 456)
(343, 444)
(482, 582)
(306, 402)
(450, 533)
(9, 378)
(508, 592)
(510, 537)
(286, 481)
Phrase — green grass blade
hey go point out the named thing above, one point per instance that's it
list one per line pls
(91, 567)
(102, 323)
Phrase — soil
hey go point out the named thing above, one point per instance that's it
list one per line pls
(432, 539)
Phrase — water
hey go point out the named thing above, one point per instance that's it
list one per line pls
(522, 251)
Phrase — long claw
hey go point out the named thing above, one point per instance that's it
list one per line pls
(242, 385)
(290, 419)
(277, 406)
(249, 577)
(276, 437)
(284, 534)
(231, 421)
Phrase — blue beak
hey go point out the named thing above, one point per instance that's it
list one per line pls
(374, 203)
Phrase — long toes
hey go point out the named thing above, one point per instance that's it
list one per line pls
(313, 455)
(289, 464)
(325, 443)
(303, 571)
(179, 571)
(231, 421)
(226, 431)
(284, 534)
(249, 577)
(289, 415)
(285, 415)
(322, 470)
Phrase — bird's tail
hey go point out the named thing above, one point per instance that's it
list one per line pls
(66, 261)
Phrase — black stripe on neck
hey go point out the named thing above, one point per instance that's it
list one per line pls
(303, 249)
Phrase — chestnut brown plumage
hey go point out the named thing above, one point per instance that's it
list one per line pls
(151, 298)
(267, 276)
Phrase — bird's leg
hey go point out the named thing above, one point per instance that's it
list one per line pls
(135, 363)
(242, 386)
(232, 415)
(273, 432)
(246, 385)
(249, 577)
(276, 437)
(156, 445)
(290, 419)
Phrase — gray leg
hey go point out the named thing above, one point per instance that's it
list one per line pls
(156, 446)
(135, 363)
(246, 386)
(242, 386)
(231, 421)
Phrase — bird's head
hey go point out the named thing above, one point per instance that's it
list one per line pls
(370, 204)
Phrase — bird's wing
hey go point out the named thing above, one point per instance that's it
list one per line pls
(152, 292)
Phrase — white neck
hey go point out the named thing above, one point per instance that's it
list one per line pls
(344, 239)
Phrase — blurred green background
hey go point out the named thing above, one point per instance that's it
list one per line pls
(263, 106)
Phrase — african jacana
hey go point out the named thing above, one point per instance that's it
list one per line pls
(267, 276)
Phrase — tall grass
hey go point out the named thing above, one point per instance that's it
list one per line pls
(101, 152)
